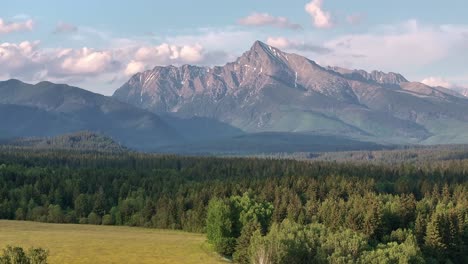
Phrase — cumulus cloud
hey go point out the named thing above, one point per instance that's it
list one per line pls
(84, 62)
(437, 81)
(18, 59)
(148, 56)
(287, 44)
(9, 27)
(265, 19)
(320, 17)
(63, 27)
(442, 82)
(134, 67)
(29, 62)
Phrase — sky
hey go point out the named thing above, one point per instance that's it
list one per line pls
(99, 45)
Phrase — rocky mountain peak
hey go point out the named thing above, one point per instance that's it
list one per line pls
(267, 89)
(261, 53)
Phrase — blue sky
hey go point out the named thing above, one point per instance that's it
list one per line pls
(98, 45)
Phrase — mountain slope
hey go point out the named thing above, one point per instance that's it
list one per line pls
(267, 90)
(26, 121)
(59, 109)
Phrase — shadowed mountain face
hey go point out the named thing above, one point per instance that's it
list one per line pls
(48, 109)
(267, 90)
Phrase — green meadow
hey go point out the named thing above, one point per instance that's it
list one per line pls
(107, 244)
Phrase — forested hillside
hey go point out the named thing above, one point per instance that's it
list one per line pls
(284, 211)
(399, 154)
(79, 141)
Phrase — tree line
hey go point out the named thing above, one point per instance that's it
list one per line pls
(253, 210)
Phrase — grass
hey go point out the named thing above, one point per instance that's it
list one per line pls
(107, 244)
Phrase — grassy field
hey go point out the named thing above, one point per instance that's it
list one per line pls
(107, 244)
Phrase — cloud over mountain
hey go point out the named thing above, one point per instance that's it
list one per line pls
(442, 82)
(287, 44)
(29, 61)
(437, 81)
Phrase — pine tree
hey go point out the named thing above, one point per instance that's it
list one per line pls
(434, 240)
(420, 228)
(241, 254)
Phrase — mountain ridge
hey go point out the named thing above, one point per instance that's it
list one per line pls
(78, 109)
(268, 90)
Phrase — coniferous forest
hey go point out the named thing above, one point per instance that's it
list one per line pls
(253, 210)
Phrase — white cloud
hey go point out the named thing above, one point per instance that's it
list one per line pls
(84, 62)
(191, 54)
(287, 44)
(134, 67)
(437, 81)
(279, 42)
(405, 47)
(18, 57)
(321, 18)
(166, 53)
(265, 19)
(9, 27)
(29, 62)
(442, 82)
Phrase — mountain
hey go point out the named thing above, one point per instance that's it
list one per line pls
(462, 91)
(268, 90)
(82, 141)
(377, 77)
(201, 129)
(48, 109)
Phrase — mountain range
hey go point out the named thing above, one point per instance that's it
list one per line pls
(267, 90)
(265, 101)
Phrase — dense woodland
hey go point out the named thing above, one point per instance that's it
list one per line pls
(253, 210)
(82, 140)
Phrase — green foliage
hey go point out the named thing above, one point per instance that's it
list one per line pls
(94, 219)
(289, 242)
(393, 252)
(107, 220)
(229, 224)
(241, 253)
(80, 141)
(38, 256)
(16, 255)
(219, 227)
(55, 214)
(247, 210)
(335, 211)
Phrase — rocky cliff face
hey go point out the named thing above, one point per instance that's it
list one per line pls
(374, 76)
(266, 89)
